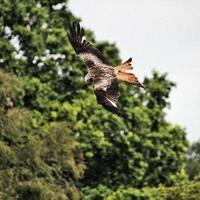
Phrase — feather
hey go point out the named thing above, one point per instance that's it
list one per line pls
(106, 102)
(124, 66)
(82, 47)
(129, 77)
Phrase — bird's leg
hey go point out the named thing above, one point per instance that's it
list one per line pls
(88, 78)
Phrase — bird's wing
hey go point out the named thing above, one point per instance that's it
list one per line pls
(107, 93)
(88, 53)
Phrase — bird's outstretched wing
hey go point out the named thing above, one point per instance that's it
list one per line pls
(107, 93)
(88, 53)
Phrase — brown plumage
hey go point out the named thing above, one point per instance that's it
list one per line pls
(104, 76)
(124, 72)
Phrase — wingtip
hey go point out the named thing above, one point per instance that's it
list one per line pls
(119, 113)
(76, 33)
(74, 24)
(82, 31)
(116, 111)
(130, 59)
(141, 85)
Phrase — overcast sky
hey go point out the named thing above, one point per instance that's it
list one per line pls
(157, 34)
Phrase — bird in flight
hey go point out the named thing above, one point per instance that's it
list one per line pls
(104, 76)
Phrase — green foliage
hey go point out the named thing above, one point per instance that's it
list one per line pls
(100, 192)
(182, 192)
(9, 85)
(44, 161)
(193, 161)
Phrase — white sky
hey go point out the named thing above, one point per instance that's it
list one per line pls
(157, 34)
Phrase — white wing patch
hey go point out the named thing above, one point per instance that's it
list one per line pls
(83, 38)
(113, 103)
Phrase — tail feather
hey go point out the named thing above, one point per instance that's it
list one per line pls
(124, 72)
(128, 61)
(129, 77)
(125, 66)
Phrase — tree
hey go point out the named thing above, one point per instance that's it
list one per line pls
(37, 162)
(139, 149)
(193, 161)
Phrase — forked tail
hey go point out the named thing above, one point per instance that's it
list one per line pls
(124, 72)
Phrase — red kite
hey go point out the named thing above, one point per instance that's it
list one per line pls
(104, 76)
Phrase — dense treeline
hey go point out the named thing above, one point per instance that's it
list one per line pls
(56, 142)
(182, 192)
